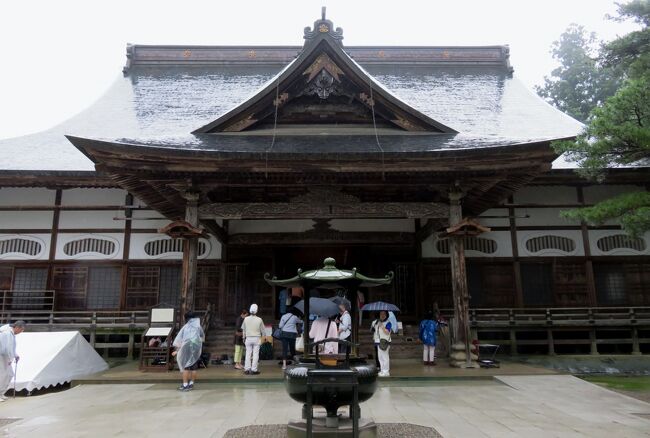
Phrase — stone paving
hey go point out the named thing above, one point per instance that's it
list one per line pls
(509, 406)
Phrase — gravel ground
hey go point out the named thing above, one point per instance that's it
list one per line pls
(384, 430)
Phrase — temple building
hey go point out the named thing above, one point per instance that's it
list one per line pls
(204, 167)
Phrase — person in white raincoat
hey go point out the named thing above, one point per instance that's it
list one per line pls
(8, 354)
(188, 345)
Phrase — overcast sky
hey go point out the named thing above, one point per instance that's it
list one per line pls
(59, 56)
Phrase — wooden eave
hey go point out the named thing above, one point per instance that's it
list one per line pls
(156, 175)
(55, 179)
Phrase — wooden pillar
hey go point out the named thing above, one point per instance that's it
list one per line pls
(516, 265)
(551, 342)
(190, 253)
(592, 299)
(354, 313)
(460, 293)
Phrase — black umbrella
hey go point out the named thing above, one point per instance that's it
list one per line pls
(319, 306)
(341, 300)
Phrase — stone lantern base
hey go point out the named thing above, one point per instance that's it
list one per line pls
(298, 429)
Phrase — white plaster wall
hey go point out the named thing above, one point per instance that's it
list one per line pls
(380, 225)
(540, 217)
(546, 195)
(151, 224)
(93, 196)
(26, 196)
(26, 220)
(495, 222)
(43, 239)
(597, 193)
(139, 240)
(576, 235)
(502, 238)
(270, 226)
(64, 238)
(594, 235)
(91, 219)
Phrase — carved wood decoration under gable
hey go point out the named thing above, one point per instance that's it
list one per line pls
(323, 203)
(322, 232)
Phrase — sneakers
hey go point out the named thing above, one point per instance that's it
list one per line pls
(247, 372)
(184, 388)
(255, 373)
(384, 374)
(3, 398)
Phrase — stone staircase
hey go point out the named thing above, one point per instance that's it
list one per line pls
(405, 345)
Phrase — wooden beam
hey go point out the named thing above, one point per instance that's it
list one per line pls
(428, 229)
(216, 230)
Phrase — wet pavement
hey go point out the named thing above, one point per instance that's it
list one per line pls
(401, 369)
(507, 406)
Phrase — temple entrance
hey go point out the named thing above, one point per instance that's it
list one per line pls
(246, 266)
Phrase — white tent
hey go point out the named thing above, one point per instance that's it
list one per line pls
(51, 358)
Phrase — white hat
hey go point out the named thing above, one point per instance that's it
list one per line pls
(253, 309)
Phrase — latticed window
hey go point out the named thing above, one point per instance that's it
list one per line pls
(70, 285)
(620, 241)
(478, 244)
(104, 287)
(491, 284)
(20, 246)
(28, 281)
(571, 284)
(160, 247)
(89, 245)
(550, 242)
(142, 286)
(610, 284)
(170, 286)
(537, 284)
(208, 282)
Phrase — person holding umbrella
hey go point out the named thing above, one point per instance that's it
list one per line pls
(345, 324)
(381, 329)
(8, 355)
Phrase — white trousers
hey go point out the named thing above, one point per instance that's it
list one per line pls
(6, 374)
(252, 353)
(384, 359)
(429, 353)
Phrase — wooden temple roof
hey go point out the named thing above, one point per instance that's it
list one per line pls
(170, 91)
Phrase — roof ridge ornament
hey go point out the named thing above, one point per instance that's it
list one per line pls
(323, 27)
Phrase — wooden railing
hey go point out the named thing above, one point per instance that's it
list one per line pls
(35, 300)
(560, 317)
(589, 326)
(94, 324)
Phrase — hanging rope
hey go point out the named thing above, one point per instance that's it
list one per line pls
(276, 103)
(374, 124)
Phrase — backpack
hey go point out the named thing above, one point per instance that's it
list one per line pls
(266, 351)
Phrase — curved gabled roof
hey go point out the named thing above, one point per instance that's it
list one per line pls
(167, 95)
(322, 72)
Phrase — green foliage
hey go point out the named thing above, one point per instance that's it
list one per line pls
(618, 130)
(618, 133)
(579, 84)
(632, 210)
(631, 52)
